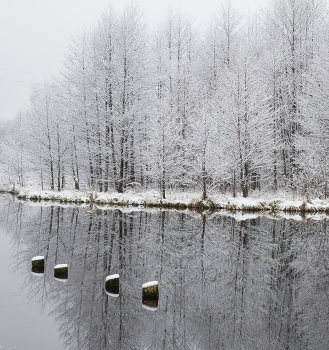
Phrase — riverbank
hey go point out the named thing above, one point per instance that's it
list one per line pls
(178, 200)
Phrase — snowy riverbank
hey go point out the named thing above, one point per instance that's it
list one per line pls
(179, 201)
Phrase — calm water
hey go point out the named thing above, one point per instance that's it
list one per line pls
(224, 284)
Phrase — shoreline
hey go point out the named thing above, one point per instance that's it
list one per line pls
(177, 200)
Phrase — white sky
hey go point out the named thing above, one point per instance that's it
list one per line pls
(34, 35)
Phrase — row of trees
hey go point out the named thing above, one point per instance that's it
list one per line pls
(238, 107)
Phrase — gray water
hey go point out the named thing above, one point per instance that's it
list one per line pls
(223, 284)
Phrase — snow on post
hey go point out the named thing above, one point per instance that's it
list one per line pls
(38, 265)
(112, 285)
(150, 295)
(61, 272)
(151, 289)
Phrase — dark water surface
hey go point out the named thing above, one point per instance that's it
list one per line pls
(223, 284)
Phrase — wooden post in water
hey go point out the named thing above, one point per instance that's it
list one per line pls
(150, 295)
(112, 285)
(38, 265)
(61, 272)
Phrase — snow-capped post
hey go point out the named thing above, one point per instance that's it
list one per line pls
(150, 295)
(112, 285)
(150, 289)
(38, 264)
(61, 272)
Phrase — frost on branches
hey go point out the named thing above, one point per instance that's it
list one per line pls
(229, 109)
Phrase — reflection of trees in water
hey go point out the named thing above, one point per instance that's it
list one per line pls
(224, 284)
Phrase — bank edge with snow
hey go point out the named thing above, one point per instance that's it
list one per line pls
(177, 201)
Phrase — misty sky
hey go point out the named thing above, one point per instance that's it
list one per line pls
(34, 35)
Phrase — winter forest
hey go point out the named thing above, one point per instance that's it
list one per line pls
(236, 106)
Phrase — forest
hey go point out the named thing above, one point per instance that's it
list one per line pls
(237, 106)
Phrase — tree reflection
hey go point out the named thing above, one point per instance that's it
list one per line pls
(223, 284)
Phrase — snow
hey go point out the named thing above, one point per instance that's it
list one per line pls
(59, 266)
(112, 277)
(257, 205)
(111, 294)
(38, 258)
(242, 216)
(149, 284)
(37, 273)
(150, 308)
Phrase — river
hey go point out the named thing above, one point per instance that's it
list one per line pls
(224, 283)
